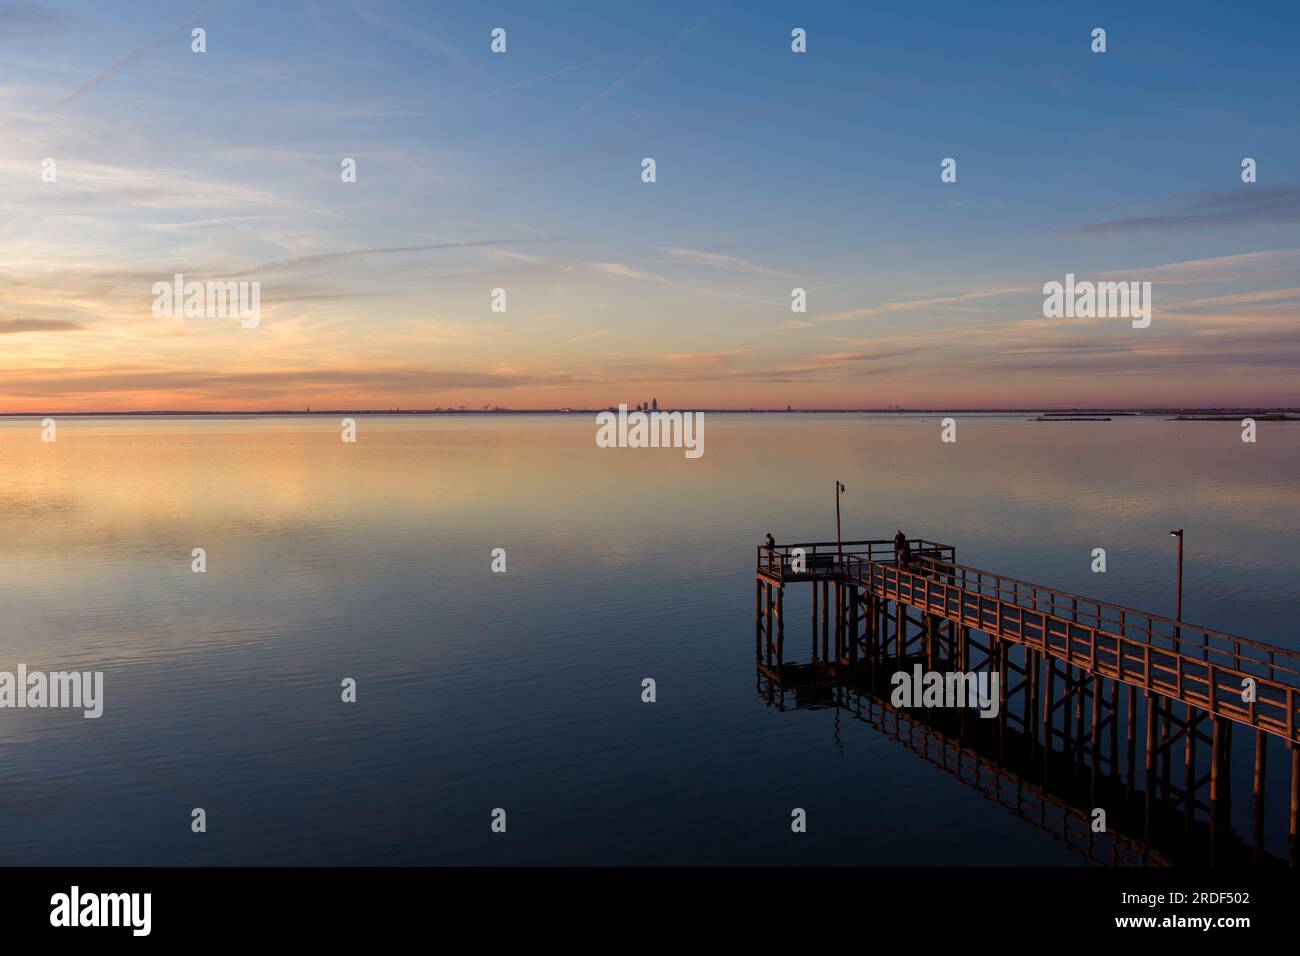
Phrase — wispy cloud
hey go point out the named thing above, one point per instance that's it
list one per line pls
(282, 265)
(719, 261)
(14, 326)
(597, 334)
(553, 75)
(1241, 298)
(1248, 205)
(197, 223)
(911, 304)
(28, 22)
(126, 58)
(200, 382)
(404, 29)
(1245, 265)
(91, 183)
(641, 67)
(619, 270)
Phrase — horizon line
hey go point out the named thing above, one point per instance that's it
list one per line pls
(567, 410)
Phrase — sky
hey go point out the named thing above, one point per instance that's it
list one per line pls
(522, 171)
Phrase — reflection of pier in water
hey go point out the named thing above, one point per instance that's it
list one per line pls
(1042, 787)
(1077, 677)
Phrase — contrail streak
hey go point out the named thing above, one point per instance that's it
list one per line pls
(127, 57)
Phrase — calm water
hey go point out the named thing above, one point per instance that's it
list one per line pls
(522, 690)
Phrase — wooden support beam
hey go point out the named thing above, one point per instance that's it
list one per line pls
(1048, 703)
(826, 614)
(767, 627)
(900, 631)
(843, 604)
(872, 615)
(1003, 652)
(1150, 791)
(943, 603)
(853, 624)
(1295, 803)
(1189, 769)
(882, 627)
(1077, 689)
(1166, 714)
(1113, 717)
(1130, 737)
(1217, 770)
(780, 627)
(1261, 757)
(1096, 724)
(1032, 663)
(814, 621)
(1225, 800)
(837, 621)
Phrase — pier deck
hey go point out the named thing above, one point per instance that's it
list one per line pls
(1063, 659)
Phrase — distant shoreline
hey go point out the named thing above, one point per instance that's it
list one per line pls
(1183, 414)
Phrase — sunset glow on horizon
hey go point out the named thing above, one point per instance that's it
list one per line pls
(522, 171)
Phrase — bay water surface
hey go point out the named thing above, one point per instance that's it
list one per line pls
(522, 690)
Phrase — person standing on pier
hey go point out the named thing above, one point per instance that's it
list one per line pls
(902, 553)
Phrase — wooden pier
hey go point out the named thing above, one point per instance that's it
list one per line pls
(1110, 685)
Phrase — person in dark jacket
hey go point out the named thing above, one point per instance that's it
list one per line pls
(902, 553)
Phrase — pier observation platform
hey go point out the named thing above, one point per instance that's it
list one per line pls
(1073, 670)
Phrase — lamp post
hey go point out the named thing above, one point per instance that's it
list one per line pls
(839, 547)
(1178, 601)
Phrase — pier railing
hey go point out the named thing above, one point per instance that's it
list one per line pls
(1196, 665)
(1192, 664)
(821, 559)
(1055, 651)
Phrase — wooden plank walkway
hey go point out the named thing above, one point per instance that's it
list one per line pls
(1043, 634)
(1181, 661)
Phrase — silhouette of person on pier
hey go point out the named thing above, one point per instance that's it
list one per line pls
(902, 553)
(771, 541)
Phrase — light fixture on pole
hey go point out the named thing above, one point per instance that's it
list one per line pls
(839, 490)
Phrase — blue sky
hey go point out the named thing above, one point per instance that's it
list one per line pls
(774, 170)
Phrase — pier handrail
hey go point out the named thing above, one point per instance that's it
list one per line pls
(1215, 685)
(979, 621)
(1123, 617)
(821, 554)
(1177, 659)
(1081, 608)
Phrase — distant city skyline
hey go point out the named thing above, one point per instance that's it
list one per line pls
(129, 159)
